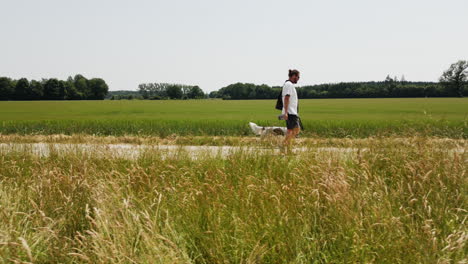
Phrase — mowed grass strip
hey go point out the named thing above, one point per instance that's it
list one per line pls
(444, 117)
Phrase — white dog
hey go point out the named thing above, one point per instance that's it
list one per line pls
(263, 131)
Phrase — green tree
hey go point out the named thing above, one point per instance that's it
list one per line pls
(390, 85)
(185, 91)
(98, 89)
(71, 93)
(37, 90)
(144, 90)
(174, 92)
(213, 94)
(62, 89)
(456, 78)
(196, 92)
(6, 88)
(22, 91)
(81, 84)
(52, 89)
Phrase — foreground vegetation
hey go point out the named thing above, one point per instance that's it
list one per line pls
(393, 201)
(443, 117)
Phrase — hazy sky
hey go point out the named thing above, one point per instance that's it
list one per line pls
(214, 43)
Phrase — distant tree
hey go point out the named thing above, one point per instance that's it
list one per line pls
(213, 94)
(144, 90)
(403, 79)
(52, 89)
(455, 78)
(388, 79)
(160, 89)
(262, 91)
(37, 90)
(6, 88)
(81, 85)
(62, 89)
(71, 93)
(98, 88)
(122, 94)
(22, 90)
(152, 90)
(196, 92)
(390, 86)
(186, 89)
(174, 92)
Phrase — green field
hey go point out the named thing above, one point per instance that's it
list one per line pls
(446, 117)
(399, 198)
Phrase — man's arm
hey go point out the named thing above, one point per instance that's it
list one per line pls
(286, 105)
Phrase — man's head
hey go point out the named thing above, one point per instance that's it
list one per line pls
(294, 76)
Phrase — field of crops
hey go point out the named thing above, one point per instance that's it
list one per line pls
(443, 117)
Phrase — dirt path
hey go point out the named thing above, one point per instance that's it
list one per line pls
(131, 151)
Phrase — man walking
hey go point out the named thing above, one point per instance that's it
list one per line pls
(290, 108)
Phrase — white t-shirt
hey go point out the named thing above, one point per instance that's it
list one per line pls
(289, 89)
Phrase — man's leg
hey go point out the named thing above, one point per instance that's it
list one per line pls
(291, 134)
(297, 130)
(287, 141)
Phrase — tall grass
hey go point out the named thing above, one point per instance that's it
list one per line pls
(392, 203)
(164, 128)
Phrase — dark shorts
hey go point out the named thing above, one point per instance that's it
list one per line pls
(293, 122)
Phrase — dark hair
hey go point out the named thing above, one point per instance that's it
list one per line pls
(293, 73)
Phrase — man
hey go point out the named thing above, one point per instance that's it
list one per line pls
(290, 113)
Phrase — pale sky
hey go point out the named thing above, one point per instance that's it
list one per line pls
(213, 43)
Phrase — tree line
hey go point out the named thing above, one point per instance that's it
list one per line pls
(389, 88)
(161, 91)
(123, 95)
(74, 88)
(452, 83)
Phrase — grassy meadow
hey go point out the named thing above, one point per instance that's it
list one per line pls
(443, 117)
(390, 201)
(376, 181)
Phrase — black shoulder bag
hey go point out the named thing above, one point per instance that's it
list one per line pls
(279, 101)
